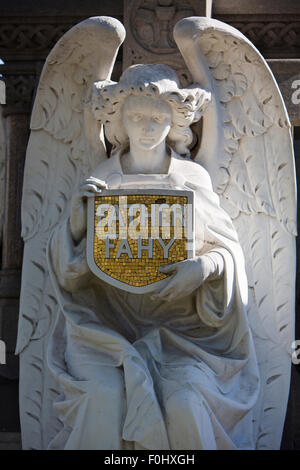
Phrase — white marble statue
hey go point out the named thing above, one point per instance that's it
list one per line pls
(202, 361)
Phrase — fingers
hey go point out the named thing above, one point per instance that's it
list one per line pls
(92, 186)
(89, 190)
(96, 182)
(176, 287)
(168, 268)
(89, 193)
(167, 292)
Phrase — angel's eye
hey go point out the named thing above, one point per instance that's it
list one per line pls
(136, 117)
(158, 118)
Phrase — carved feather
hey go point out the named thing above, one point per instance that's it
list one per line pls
(250, 160)
(60, 153)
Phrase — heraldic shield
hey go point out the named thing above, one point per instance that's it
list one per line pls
(131, 233)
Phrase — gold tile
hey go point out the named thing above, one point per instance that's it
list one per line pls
(135, 271)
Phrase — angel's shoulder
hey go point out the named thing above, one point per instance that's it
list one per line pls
(193, 172)
(106, 168)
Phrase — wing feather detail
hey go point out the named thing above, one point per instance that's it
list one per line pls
(64, 146)
(249, 156)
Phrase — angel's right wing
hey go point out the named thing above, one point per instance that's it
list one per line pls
(65, 146)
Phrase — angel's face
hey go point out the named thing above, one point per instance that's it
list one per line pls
(147, 121)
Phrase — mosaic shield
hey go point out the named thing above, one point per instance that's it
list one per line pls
(131, 233)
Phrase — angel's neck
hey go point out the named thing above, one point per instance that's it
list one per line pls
(146, 161)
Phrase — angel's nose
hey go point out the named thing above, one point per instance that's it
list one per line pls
(148, 125)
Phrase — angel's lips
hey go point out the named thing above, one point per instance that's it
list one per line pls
(147, 140)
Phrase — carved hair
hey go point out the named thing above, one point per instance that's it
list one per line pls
(187, 104)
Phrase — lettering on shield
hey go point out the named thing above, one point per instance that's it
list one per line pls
(131, 233)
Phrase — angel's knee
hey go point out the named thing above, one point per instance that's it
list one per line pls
(181, 406)
(108, 385)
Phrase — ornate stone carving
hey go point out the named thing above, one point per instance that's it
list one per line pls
(278, 35)
(20, 89)
(149, 25)
(30, 37)
(152, 23)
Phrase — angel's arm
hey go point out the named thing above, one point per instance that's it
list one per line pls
(68, 259)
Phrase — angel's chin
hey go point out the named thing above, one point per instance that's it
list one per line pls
(147, 143)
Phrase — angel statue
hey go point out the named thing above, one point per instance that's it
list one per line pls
(201, 360)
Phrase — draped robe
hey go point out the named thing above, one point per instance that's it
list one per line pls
(138, 373)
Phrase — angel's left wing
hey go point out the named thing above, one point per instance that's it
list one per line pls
(65, 145)
(247, 148)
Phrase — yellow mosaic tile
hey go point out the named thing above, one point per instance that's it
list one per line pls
(138, 271)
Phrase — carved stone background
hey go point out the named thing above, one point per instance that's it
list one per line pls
(149, 26)
(20, 90)
(273, 37)
(152, 23)
(21, 38)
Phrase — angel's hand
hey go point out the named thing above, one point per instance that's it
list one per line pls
(188, 275)
(91, 187)
(78, 217)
